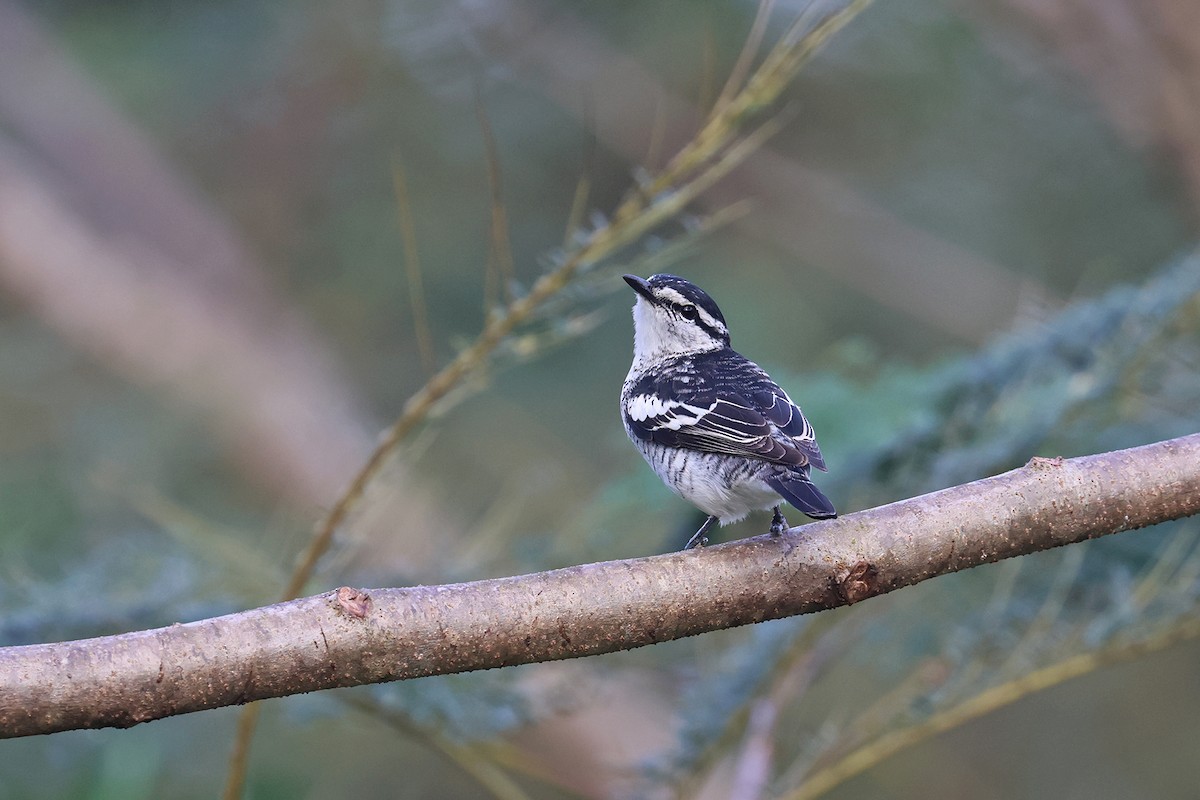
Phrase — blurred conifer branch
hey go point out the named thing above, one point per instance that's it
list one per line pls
(716, 149)
(803, 656)
(464, 717)
(891, 742)
(1054, 649)
(991, 410)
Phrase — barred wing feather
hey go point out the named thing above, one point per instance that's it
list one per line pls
(724, 423)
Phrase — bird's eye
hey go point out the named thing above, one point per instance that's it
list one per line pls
(689, 311)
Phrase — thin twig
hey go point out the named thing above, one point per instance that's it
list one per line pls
(763, 88)
(808, 651)
(1154, 578)
(741, 67)
(708, 63)
(753, 768)
(229, 549)
(882, 711)
(239, 759)
(583, 189)
(412, 268)
(1048, 614)
(658, 132)
(887, 745)
(468, 758)
(500, 267)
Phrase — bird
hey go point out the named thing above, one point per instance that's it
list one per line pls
(709, 421)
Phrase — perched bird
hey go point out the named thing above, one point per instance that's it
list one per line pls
(709, 421)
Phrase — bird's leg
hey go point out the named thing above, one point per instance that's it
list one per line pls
(779, 525)
(698, 538)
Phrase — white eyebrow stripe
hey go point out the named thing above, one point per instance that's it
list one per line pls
(672, 295)
(710, 320)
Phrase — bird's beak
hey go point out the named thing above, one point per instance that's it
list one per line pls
(640, 285)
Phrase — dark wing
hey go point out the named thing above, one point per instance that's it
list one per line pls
(722, 403)
(777, 407)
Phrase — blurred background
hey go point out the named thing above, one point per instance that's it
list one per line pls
(236, 237)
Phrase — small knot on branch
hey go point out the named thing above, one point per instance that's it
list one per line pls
(354, 602)
(1039, 462)
(861, 582)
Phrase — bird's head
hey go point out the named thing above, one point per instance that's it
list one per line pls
(674, 317)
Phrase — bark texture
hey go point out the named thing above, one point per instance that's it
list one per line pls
(349, 637)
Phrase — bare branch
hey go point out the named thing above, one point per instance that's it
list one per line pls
(350, 637)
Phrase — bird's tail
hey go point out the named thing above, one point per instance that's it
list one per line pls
(797, 489)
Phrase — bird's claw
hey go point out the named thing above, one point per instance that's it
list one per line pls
(779, 525)
(698, 538)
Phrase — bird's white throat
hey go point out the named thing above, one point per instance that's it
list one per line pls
(659, 335)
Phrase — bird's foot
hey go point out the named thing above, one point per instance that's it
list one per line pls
(698, 538)
(779, 525)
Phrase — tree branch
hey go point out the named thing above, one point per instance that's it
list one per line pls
(349, 637)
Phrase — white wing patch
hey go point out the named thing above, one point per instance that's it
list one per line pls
(669, 414)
